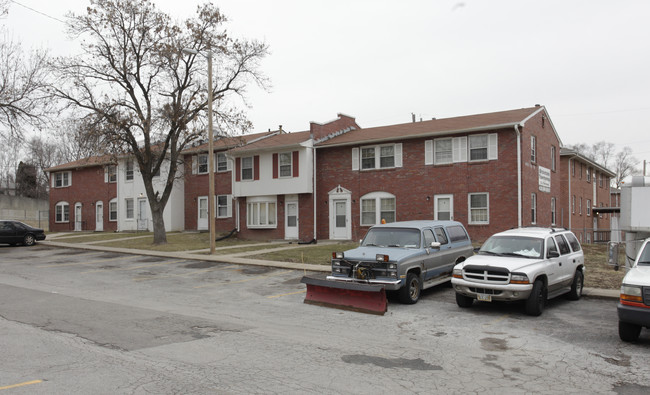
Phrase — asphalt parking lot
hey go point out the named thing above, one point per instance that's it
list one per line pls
(75, 321)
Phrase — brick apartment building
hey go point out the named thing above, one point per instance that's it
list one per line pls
(585, 188)
(83, 195)
(489, 171)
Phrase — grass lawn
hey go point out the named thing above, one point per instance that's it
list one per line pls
(315, 254)
(598, 272)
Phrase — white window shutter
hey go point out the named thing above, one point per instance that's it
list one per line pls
(69, 178)
(228, 163)
(355, 158)
(459, 149)
(53, 177)
(229, 206)
(428, 152)
(194, 164)
(398, 155)
(493, 147)
(105, 173)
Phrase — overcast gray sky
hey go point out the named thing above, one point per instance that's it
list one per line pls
(587, 61)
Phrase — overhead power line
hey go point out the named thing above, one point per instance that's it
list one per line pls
(37, 11)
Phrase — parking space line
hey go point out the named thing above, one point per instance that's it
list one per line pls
(241, 281)
(211, 269)
(6, 387)
(87, 263)
(287, 294)
(134, 267)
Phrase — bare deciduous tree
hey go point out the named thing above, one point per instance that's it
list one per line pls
(143, 95)
(24, 97)
(604, 153)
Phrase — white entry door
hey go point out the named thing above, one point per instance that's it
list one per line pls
(202, 221)
(77, 217)
(443, 207)
(340, 231)
(143, 223)
(291, 220)
(99, 217)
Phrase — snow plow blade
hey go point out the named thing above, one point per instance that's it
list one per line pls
(364, 298)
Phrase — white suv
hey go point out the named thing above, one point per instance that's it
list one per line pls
(531, 264)
(634, 306)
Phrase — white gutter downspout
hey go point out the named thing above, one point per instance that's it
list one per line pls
(519, 192)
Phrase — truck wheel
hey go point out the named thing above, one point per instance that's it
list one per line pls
(464, 301)
(576, 286)
(410, 292)
(537, 299)
(628, 332)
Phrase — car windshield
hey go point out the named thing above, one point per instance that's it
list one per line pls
(392, 237)
(527, 247)
(644, 258)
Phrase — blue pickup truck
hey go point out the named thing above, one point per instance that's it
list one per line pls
(406, 257)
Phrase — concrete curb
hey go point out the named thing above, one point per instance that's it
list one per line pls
(225, 258)
(239, 259)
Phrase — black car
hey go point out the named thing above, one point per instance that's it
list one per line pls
(16, 232)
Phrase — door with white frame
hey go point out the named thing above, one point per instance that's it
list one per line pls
(143, 223)
(99, 217)
(291, 219)
(202, 220)
(443, 207)
(340, 212)
(77, 217)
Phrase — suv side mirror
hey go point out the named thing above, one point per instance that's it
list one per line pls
(435, 244)
(552, 254)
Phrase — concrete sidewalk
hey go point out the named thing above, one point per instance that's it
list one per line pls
(240, 258)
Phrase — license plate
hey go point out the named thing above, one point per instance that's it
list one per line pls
(484, 297)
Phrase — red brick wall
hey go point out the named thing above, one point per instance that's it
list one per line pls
(197, 185)
(540, 127)
(415, 184)
(582, 223)
(88, 187)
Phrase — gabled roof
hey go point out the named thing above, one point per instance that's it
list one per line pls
(443, 126)
(274, 142)
(568, 152)
(86, 162)
(225, 143)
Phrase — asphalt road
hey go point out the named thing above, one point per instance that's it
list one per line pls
(79, 322)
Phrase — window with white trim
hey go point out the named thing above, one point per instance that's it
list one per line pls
(261, 212)
(442, 151)
(128, 174)
(130, 208)
(247, 168)
(62, 179)
(112, 210)
(573, 204)
(553, 158)
(285, 163)
(381, 156)
(588, 174)
(588, 208)
(111, 173)
(478, 147)
(377, 206)
(533, 208)
(62, 212)
(224, 206)
(479, 208)
(222, 162)
(202, 164)
(553, 216)
(533, 149)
